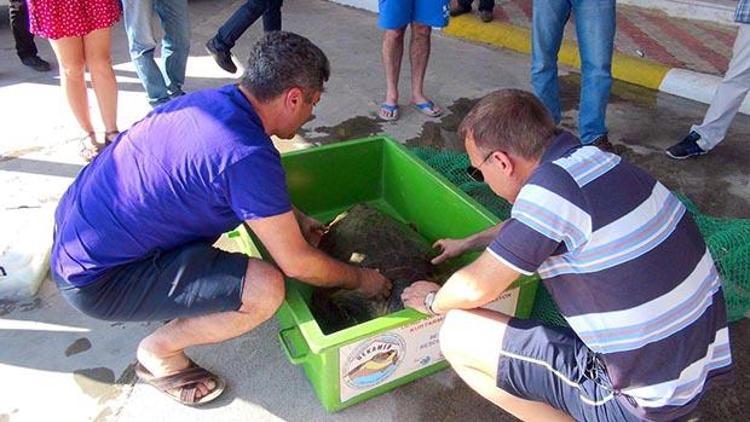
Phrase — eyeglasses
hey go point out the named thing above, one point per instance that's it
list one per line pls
(475, 173)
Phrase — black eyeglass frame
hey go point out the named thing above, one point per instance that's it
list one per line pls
(475, 173)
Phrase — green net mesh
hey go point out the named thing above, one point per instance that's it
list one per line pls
(453, 165)
(727, 239)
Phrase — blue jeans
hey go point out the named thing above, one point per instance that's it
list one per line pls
(245, 16)
(595, 29)
(175, 45)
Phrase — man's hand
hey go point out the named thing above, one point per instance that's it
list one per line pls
(450, 248)
(311, 228)
(373, 284)
(414, 295)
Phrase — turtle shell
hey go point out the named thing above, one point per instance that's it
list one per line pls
(367, 237)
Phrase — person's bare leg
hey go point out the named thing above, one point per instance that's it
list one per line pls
(97, 46)
(393, 51)
(71, 56)
(163, 352)
(419, 55)
(471, 341)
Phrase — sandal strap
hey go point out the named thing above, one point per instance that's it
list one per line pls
(429, 108)
(427, 105)
(89, 148)
(188, 377)
(182, 385)
(110, 136)
(187, 395)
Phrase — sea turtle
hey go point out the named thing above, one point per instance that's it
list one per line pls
(370, 238)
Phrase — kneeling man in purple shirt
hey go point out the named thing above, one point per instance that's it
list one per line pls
(134, 232)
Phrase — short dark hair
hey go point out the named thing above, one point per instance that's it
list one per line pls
(283, 60)
(512, 120)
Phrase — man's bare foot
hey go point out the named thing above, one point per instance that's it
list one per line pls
(425, 106)
(388, 112)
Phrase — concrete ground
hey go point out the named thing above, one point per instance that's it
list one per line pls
(58, 364)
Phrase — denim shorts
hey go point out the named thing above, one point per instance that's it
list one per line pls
(553, 366)
(191, 280)
(396, 14)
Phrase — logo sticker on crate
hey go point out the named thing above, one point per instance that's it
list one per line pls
(385, 357)
(374, 361)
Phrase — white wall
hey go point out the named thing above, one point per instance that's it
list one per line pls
(371, 5)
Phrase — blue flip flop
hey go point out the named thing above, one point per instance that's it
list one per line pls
(392, 109)
(428, 109)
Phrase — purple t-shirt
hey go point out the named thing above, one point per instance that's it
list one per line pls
(190, 170)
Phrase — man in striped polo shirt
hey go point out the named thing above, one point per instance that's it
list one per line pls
(623, 260)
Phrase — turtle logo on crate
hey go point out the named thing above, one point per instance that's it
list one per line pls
(374, 361)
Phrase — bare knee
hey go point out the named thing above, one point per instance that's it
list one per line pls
(99, 65)
(419, 31)
(451, 334)
(473, 338)
(73, 69)
(263, 292)
(394, 35)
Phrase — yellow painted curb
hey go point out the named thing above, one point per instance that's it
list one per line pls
(626, 68)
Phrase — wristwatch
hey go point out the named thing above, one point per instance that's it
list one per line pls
(428, 301)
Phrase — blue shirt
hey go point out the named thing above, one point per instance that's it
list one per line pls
(190, 170)
(629, 271)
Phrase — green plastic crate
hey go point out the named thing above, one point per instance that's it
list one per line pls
(358, 363)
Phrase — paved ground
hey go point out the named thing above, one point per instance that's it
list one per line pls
(57, 364)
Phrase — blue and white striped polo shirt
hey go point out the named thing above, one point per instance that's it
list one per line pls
(628, 269)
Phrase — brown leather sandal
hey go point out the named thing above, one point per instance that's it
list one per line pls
(89, 147)
(110, 136)
(182, 386)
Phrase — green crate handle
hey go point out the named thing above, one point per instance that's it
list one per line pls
(296, 356)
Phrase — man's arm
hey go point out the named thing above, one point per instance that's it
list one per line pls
(296, 258)
(475, 285)
(312, 229)
(450, 248)
(481, 240)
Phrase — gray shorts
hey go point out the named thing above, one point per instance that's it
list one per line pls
(553, 366)
(191, 280)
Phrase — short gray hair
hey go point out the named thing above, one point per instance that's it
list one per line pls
(511, 120)
(283, 60)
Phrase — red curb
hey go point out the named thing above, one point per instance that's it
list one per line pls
(725, 37)
(499, 14)
(525, 6)
(652, 49)
(717, 61)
